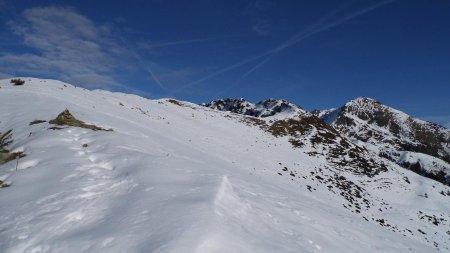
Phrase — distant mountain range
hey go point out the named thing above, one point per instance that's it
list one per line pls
(418, 145)
(266, 108)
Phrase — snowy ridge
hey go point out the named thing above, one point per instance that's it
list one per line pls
(176, 177)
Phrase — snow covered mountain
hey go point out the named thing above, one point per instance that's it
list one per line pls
(421, 146)
(265, 108)
(96, 171)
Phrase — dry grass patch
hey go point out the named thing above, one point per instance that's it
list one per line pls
(5, 154)
(17, 82)
(67, 119)
(37, 121)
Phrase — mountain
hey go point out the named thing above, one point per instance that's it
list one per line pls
(395, 135)
(97, 171)
(265, 108)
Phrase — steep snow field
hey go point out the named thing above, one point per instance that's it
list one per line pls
(177, 177)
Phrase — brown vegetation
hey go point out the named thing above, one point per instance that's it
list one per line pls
(67, 119)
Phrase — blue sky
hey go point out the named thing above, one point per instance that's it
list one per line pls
(318, 54)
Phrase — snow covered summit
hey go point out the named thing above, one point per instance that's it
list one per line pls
(172, 176)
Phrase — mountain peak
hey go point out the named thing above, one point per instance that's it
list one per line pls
(391, 132)
(364, 99)
(365, 103)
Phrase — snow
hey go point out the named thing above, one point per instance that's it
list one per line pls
(426, 161)
(185, 178)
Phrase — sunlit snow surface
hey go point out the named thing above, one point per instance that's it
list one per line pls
(184, 178)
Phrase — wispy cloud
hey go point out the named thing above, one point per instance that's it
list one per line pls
(65, 45)
(259, 12)
(262, 27)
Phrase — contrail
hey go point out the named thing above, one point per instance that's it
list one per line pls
(324, 28)
(303, 36)
(143, 65)
(268, 53)
(226, 69)
(245, 75)
(312, 27)
(339, 22)
(182, 42)
(292, 41)
(294, 38)
(165, 44)
(148, 69)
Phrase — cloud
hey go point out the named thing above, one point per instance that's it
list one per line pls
(65, 45)
(260, 14)
(262, 27)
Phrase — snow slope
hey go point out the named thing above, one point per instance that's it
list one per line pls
(176, 177)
